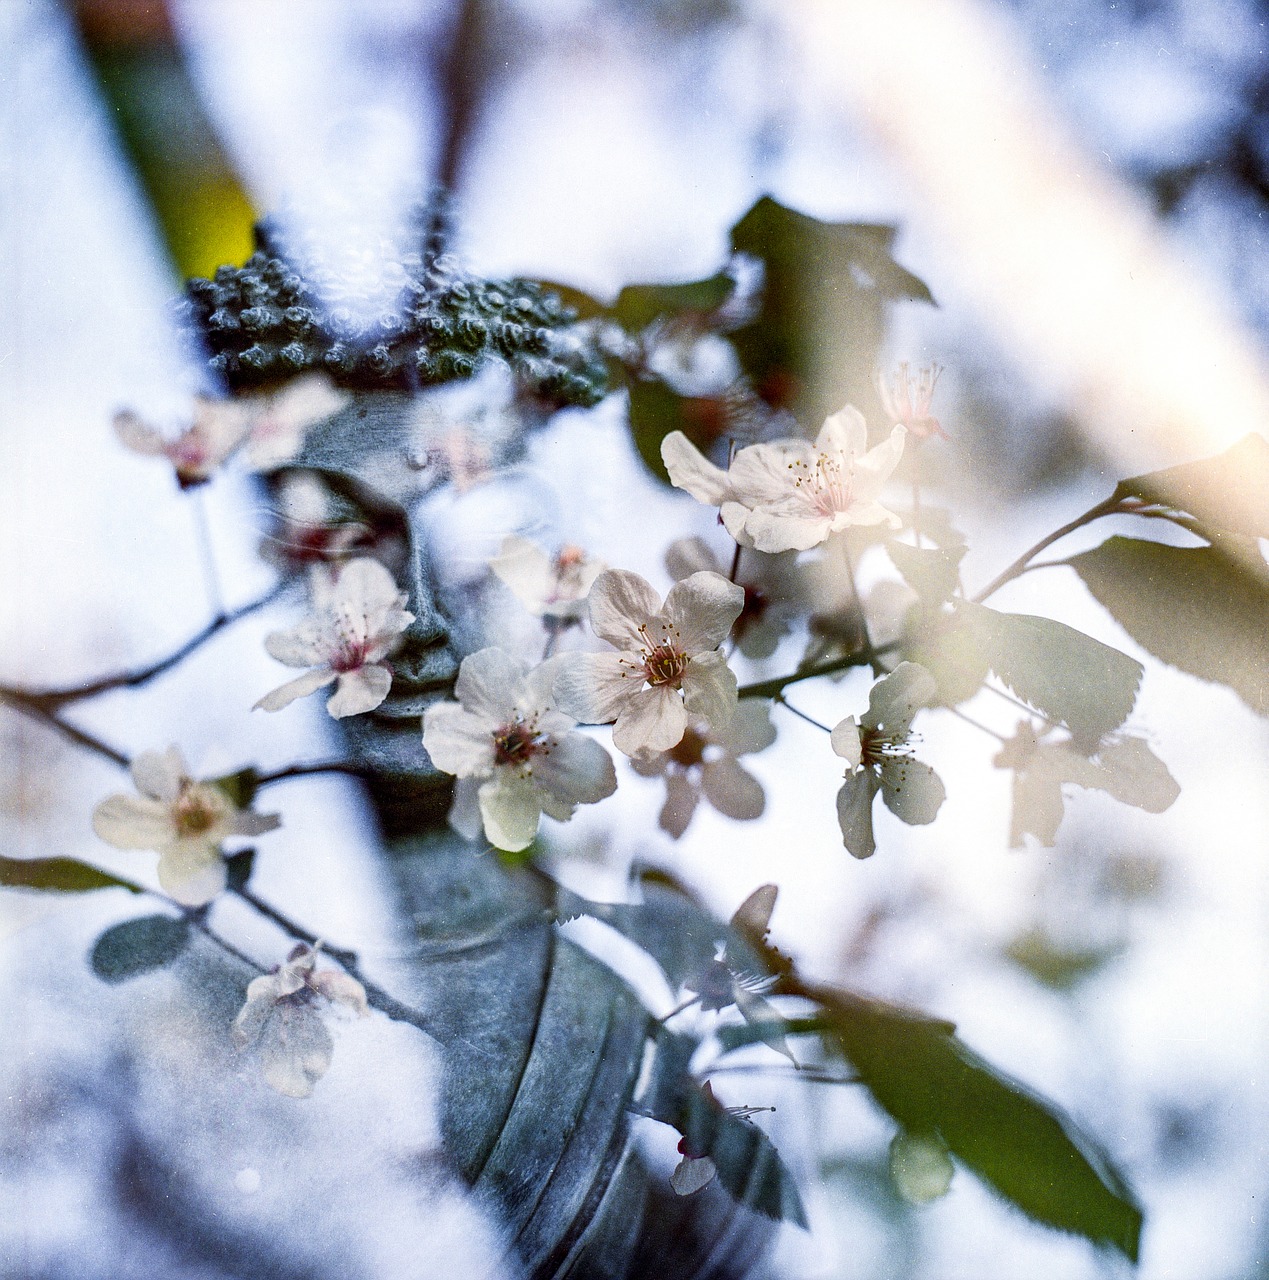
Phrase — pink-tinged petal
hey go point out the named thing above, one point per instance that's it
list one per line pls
(653, 720)
(525, 568)
(490, 683)
(689, 469)
(843, 436)
(732, 790)
(709, 690)
(771, 531)
(295, 1049)
(699, 612)
(861, 513)
(309, 643)
(247, 823)
(366, 587)
(896, 699)
(876, 466)
(847, 742)
(341, 988)
(134, 822)
(686, 556)
(691, 1175)
(261, 996)
(912, 791)
(594, 688)
(192, 872)
(510, 808)
(620, 603)
(576, 769)
(765, 473)
(464, 812)
(457, 741)
(538, 694)
(134, 433)
(681, 797)
(854, 814)
(750, 729)
(384, 633)
(300, 687)
(360, 691)
(159, 774)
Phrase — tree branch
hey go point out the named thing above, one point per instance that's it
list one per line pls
(34, 707)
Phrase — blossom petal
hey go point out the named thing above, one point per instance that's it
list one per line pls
(192, 872)
(735, 515)
(365, 586)
(865, 513)
(309, 643)
(576, 769)
(760, 473)
(360, 691)
(777, 531)
(692, 1174)
(686, 556)
(134, 433)
(847, 742)
(510, 808)
(653, 720)
(844, 435)
(457, 741)
(159, 774)
(620, 603)
(526, 569)
(341, 988)
(700, 610)
(300, 687)
(854, 814)
(691, 470)
(912, 790)
(464, 812)
(876, 466)
(732, 789)
(134, 822)
(681, 798)
(596, 687)
(709, 690)
(295, 1049)
(490, 683)
(749, 730)
(896, 699)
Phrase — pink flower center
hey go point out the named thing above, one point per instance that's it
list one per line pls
(518, 742)
(194, 813)
(824, 484)
(349, 655)
(664, 664)
(877, 746)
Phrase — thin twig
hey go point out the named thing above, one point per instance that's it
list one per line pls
(960, 715)
(864, 657)
(780, 701)
(35, 708)
(305, 770)
(735, 563)
(53, 698)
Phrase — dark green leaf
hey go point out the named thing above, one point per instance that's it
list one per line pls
(1071, 678)
(1025, 1147)
(139, 946)
(656, 410)
(816, 341)
(1061, 967)
(586, 306)
(950, 649)
(740, 1035)
(1229, 491)
(240, 787)
(60, 875)
(1192, 607)
(238, 869)
(933, 573)
(638, 305)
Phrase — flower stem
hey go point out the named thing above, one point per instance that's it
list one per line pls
(801, 715)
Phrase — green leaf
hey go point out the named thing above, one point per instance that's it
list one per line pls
(1194, 608)
(60, 875)
(1229, 491)
(238, 869)
(638, 305)
(139, 946)
(240, 787)
(1022, 1145)
(655, 411)
(1071, 678)
(741, 1035)
(816, 341)
(951, 650)
(586, 305)
(933, 573)
(1055, 965)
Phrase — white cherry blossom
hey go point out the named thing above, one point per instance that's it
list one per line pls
(218, 428)
(282, 1016)
(356, 622)
(668, 668)
(279, 421)
(704, 762)
(307, 531)
(790, 495)
(516, 756)
(1122, 766)
(879, 758)
(553, 587)
(184, 821)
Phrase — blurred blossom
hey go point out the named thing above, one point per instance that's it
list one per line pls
(879, 757)
(791, 495)
(553, 587)
(218, 428)
(282, 1017)
(1122, 766)
(280, 421)
(184, 821)
(357, 620)
(306, 531)
(772, 585)
(669, 667)
(705, 762)
(515, 755)
(906, 399)
(920, 1166)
